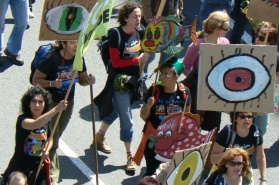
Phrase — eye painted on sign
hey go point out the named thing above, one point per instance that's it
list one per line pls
(238, 78)
(188, 170)
(66, 19)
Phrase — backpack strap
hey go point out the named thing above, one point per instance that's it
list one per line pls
(229, 135)
(256, 134)
(118, 34)
(182, 89)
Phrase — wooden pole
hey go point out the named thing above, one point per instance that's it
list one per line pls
(94, 135)
(55, 125)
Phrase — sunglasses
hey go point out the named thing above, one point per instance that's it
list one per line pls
(244, 116)
(261, 38)
(233, 163)
(225, 29)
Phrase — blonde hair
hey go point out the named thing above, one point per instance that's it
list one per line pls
(214, 21)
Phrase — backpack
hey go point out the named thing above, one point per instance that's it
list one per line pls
(103, 47)
(42, 51)
(255, 130)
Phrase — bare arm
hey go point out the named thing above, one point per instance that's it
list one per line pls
(39, 78)
(217, 153)
(261, 161)
(145, 110)
(30, 124)
(85, 79)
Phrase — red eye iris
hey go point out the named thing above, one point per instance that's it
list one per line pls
(239, 79)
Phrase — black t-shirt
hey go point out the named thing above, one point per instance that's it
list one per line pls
(248, 143)
(166, 104)
(126, 41)
(51, 66)
(29, 144)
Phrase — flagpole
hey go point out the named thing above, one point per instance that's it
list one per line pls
(55, 125)
(94, 135)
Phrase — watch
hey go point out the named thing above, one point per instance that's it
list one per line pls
(262, 179)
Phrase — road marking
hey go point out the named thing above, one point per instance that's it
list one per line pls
(78, 162)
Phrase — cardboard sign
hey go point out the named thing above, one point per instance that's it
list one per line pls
(63, 20)
(178, 132)
(264, 10)
(236, 74)
(186, 166)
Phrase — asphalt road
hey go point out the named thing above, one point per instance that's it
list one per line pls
(76, 151)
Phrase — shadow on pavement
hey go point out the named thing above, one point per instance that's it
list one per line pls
(5, 63)
(135, 179)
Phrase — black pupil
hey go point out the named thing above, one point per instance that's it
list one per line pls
(238, 79)
(185, 174)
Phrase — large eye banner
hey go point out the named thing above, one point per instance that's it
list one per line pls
(264, 10)
(63, 20)
(236, 74)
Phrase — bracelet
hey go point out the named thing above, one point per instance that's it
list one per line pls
(262, 179)
(50, 84)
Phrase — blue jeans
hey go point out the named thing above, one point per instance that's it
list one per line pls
(262, 122)
(20, 13)
(121, 102)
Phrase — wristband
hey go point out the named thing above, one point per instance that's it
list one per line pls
(50, 84)
(262, 179)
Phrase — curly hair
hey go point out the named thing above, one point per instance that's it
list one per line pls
(229, 155)
(125, 11)
(254, 114)
(30, 94)
(214, 21)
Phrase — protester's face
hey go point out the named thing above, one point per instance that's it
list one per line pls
(260, 38)
(134, 18)
(167, 76)
(223, 31)
(234, 167)
(37, 106)
(71, 48)
(244, 120)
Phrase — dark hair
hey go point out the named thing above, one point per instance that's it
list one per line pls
(58, 45)
(16, 175)
(148, 180)
(30, 94)
(254, 114)
(229, 155)
(272, 36)
(125, 11)
(169, 64)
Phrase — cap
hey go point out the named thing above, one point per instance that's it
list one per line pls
(176, 62)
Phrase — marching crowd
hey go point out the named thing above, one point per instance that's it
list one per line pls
(45, 113)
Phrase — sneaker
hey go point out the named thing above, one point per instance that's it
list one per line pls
(16, 59)
(102, 144)
(31, 15)
(131, 165)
